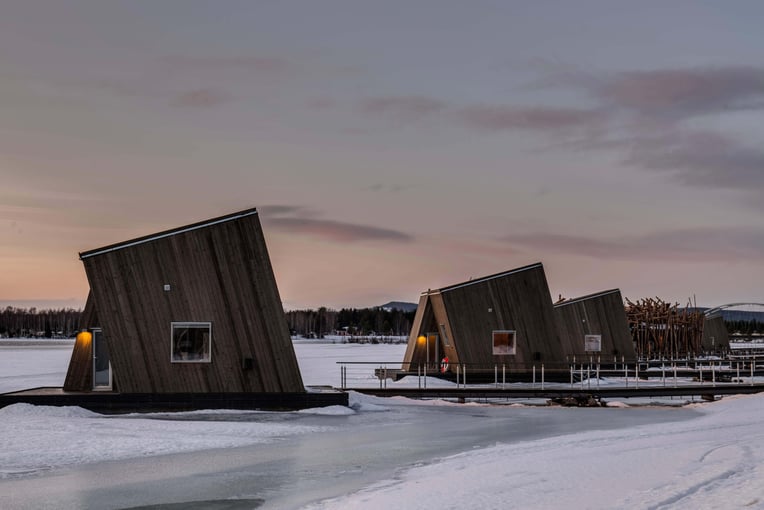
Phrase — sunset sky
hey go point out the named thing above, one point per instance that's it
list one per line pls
(391, 146)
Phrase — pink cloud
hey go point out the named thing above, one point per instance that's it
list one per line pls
(201, 98)
(500, 118)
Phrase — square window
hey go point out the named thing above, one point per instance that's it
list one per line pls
(191, 342)
(504, 343)
(593, 343)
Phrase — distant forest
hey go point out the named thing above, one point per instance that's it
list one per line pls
(64, 323)
(34, 323)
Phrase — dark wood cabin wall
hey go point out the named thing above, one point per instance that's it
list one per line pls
(440, 317)
(219, 274)
(79, 374)
(714, 327)
(518, 301)
(600, 315)
(422, 318)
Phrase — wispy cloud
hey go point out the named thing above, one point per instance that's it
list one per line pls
(701, 159)
(250, 63)
(338, 231)
(698, 244)
(295, 220)
(502, 118)
(201, 98)
(409, 107)
(279, 210)
(682, 93)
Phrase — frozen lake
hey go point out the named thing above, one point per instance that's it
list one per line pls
(377, 454)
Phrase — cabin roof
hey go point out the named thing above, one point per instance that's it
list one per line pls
(584, 298)
(167, 233)
(484, 279)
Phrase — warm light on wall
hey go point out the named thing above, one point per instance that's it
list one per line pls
(422, 339)
(84, 337)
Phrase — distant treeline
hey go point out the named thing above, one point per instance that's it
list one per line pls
(30, 322)
(64, 323)
(745, 327)
(351, 321)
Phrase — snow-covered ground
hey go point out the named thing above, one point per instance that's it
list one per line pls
(708, 456)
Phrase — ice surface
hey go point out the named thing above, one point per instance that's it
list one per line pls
(531, 458)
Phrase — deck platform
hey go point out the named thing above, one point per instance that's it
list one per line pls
(705, 391)
(113, 403)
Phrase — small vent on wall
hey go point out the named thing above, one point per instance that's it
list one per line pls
(166, 287)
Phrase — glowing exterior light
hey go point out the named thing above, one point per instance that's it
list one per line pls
(422, 339)
(84, 337)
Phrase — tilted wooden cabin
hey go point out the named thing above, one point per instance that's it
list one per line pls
(506, 318)
(715, 336)
(190, 310)
(596, 325)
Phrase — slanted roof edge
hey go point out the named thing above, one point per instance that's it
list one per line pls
(584, 298)
(487, 278)
(167, 233)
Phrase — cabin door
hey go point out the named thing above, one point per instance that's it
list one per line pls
(101, 362)
(432, 351)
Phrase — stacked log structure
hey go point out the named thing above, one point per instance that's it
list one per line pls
(663, 330)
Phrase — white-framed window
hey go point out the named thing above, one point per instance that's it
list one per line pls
(592, 343)
(504, 342)
(191, 342)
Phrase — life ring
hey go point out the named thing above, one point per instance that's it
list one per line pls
(444, 365)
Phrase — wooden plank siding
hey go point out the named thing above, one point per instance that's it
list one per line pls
(469, 312)
(79, 374)
(715, 335)
(596, 314)
(219, 272)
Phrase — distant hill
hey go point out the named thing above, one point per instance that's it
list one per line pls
(399, 305)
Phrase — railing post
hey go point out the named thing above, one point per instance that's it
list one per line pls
(571, 375)
(626, 374)
(751, 373)
(542, 377)
(503, 376)
(598, 373)
(713, 374)
(675, 374)
(701, 373)
(495, 376)
(534, 376)
(464, 375)
(419, 375)
(737, 365)
(636, 375)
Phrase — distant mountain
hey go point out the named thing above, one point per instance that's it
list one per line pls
(399, 305)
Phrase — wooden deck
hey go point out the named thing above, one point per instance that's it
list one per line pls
(111, 402)
(705, 391)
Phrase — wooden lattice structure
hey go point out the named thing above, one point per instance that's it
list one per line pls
(663, 330)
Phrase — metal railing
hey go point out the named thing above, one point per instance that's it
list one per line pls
(586, 374)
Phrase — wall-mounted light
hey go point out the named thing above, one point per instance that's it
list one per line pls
(167, 287)
(84, 338)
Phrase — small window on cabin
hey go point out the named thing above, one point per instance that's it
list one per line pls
(191, 342)
(504, 343)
